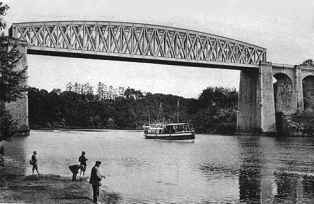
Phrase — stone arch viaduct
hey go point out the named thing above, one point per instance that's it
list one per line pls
(259, 97)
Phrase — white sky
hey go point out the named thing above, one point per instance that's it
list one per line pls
(285, 28)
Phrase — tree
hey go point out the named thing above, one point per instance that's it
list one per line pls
(3, 9)
(11, 80)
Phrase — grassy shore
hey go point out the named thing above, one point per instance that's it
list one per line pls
(15, 188)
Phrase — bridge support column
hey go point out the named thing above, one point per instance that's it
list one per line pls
(247, 102)
(256, 101)
(299, 89)
(266, 100)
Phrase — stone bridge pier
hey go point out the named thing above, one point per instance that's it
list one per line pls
(294, 88)
(274, 88)
(256, 100)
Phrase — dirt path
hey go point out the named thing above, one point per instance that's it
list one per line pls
(48, 189)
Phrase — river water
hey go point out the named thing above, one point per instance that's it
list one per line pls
(211, 169)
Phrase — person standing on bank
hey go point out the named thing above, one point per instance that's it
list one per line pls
(34, 162)
(82, 160)
(95, 180)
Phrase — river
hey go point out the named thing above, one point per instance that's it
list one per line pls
(210, 169)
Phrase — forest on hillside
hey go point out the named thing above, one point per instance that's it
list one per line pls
(214, 111)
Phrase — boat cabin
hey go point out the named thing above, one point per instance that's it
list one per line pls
(170, 128)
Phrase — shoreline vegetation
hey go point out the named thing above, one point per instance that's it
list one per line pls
(296, 125)
(214, 111)
(82, 129)
(47, 188)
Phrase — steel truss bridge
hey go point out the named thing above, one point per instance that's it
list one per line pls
(137, 42)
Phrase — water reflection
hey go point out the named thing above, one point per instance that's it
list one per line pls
(274, 175)
(250, 175)
(308, 186)
(294, 187)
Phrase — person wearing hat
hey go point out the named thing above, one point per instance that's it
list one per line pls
(34, 162)
(95, 180)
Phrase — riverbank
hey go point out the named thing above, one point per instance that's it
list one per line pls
(15, 188)
(225, 132)
(83, 129)
(296, 125)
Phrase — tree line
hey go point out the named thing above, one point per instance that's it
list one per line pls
(214, 111)
(103, 91)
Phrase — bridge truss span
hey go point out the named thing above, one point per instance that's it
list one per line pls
(132, 41)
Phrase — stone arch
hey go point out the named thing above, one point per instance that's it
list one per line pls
(308, 93)
(283, 94)
(306, 74)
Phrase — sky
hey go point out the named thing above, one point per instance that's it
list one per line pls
(284, 27)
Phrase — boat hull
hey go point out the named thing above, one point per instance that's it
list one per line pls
(187, 136)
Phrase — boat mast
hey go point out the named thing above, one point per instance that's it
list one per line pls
(148, 117)
(159, 116)
(178, 105)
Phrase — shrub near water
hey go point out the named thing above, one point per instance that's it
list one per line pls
(300, 124)
(306, 122)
